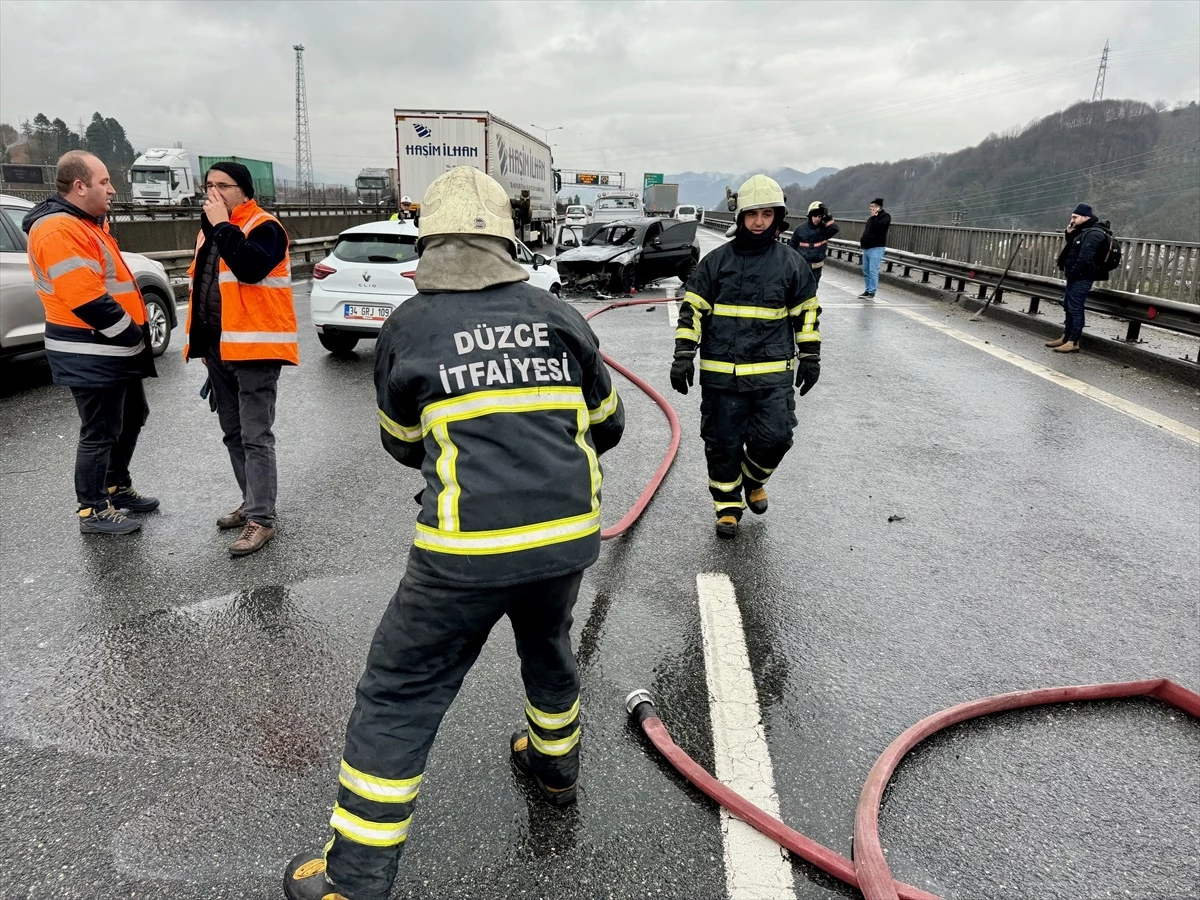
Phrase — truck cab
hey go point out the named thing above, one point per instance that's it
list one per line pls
(165, 177)
(613, 206)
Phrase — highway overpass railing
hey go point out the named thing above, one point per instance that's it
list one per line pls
(305, 253)
(1155, 285)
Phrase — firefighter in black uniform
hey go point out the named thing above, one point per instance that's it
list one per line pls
(496, 391)
(811, 237)
(751, 308)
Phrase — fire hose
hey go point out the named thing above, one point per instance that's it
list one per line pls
(868, 871)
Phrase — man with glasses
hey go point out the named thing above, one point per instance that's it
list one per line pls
(242, 326)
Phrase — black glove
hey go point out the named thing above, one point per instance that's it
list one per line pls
(807, 373)
(683, 373)
(207, 393)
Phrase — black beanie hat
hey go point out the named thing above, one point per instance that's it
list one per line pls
(239, 173)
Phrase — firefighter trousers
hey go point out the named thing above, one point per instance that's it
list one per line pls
(428, 639)
(746, 435)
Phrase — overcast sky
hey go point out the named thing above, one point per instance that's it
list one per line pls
(638, 86)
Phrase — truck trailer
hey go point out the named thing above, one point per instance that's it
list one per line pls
(262, 174)
(661, 199)
(431, 142)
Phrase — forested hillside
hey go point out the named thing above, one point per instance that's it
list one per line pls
(1138, 165)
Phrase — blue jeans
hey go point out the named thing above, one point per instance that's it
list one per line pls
(1073, 302)
(872, 257)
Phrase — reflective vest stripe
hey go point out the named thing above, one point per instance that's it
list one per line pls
(277, 281)
(737, 369)
(71, 264)
(259, 337)
(364, 831)
(551, 721)
(555, 748)
(507, 540)
(605, 410)
(737, 311)
(697, 301)
(113, 330)
(93, 349)
(408, 433)
(381, 790)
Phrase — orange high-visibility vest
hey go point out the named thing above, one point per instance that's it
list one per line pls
(258, 321)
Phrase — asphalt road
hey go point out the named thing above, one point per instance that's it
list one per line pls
(173, 718)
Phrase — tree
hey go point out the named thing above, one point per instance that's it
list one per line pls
(43, 137)
(64, 138)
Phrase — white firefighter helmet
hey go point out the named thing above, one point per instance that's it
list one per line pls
(814, 206)
(760, 192)
(466, 201)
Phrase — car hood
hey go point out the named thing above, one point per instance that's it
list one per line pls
(602, 253)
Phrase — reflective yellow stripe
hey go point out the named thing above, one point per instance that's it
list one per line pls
(555, 748)
(70, 264)
(757, 466)
(697, 301)
(810, 303)
(687, 334)
(507, 540)
(604, 410)
(810, 319)
(381, 790)
(738, 311)
(762, 368)
(410, 433)
(805, 337)
(551, 721)
(581, 428)
(483, 403)
(448, 497)
(725, 485)
(363, 831)
(729, 504)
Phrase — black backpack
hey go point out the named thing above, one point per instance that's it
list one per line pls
(1108, 255)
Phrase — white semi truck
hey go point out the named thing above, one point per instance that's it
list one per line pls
(430, 142)
(166, 176)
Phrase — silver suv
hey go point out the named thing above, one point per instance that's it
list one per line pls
(22, 317)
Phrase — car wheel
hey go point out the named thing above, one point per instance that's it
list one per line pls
(159, 321)
(623, 280)
(556, 289)
(338, 344)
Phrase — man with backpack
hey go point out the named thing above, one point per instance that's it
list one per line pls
(1089, 255)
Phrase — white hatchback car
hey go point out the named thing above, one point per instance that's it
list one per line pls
(370, 272)
(576, 215)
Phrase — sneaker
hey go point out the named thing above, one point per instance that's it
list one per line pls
(254, 537)
(757, 501)
(518, 746)
(106, 519)
(235, 519)
(727, 527)
(866, 295)
(304, 879)
(128, 499)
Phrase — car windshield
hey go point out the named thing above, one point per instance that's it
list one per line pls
(576, 211)
(376, 248)
(613, 237)
(616, 203)
(150, 176)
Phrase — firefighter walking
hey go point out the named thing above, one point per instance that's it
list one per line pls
(496, 391)
(751, 308)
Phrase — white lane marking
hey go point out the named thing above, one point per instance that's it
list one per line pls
(755, 866)
(672, 312)
(1112, 401)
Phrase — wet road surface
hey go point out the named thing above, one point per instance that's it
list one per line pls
(173, 717)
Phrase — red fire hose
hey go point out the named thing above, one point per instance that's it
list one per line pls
(869, 870)
(639, 507)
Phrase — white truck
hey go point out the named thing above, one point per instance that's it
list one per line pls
(166, 176)
(430, 142)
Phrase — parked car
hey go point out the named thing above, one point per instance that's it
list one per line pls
(686, 213)
(576, 215)
(621, 255)
(22, 316)
(370, 272)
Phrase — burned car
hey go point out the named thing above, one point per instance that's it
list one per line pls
(617, 256)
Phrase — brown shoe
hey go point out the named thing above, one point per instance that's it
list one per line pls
(757, 501)
(252, 538)
(1067, 347)
(1058, 342)
(235, 519)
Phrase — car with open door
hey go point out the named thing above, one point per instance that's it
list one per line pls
(618, 256)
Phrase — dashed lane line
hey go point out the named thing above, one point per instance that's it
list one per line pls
(1112, 401)
(672, 312)
(755, 866)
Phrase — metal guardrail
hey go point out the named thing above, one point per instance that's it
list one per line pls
(1107, 298)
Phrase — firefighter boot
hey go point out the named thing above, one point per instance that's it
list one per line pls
(519, 748)
(727, 526)
(304, 879)
(757, 500)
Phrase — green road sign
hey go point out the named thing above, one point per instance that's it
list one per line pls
(652, 178)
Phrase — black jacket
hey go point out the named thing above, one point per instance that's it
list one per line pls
(501, 399)
(750, 314)
(875, 231)
(1077, 259)
(815, 236)
(249, 257)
